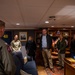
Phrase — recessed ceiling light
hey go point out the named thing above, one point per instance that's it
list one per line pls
(46, 21)
(52, 26)
(72, 26)
(17, 23)
(64, 28)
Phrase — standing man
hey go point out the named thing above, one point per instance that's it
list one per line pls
(61, 46)
(46, 45)
(31, 47)
(7, 65)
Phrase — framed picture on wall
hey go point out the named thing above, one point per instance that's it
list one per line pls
(23, 36)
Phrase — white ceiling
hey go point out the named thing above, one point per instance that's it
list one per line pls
(34, 13)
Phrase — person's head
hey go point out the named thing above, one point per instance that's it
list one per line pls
(30, 38)
(74, 36)
(2, 28)
(61, 36)
(16, 37)
(44, 31)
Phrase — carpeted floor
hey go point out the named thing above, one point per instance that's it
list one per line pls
(47, 71)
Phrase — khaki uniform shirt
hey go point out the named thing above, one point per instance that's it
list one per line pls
(16, 45)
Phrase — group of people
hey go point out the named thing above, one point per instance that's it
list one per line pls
(60, 47)
(7, 53)
(7, 65)
(46, 48)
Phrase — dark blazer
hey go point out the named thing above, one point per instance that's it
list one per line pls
(49, 42)
(72, 46)
(61, 45)
(31, 47)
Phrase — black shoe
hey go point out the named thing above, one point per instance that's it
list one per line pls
(46, 67)
(58, 65)
(52, 70)
(61, 68)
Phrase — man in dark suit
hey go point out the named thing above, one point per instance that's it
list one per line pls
(46, 45)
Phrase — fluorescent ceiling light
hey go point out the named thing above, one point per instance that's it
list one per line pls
(66, 11)
(46, 21)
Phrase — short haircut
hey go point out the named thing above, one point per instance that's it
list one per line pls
(45, 29)
(2, 24)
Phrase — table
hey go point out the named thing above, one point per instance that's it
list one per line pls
(69, 66)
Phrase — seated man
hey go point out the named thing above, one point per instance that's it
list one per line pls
(16, 48)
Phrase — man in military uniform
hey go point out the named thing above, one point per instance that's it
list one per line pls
(7, 65)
